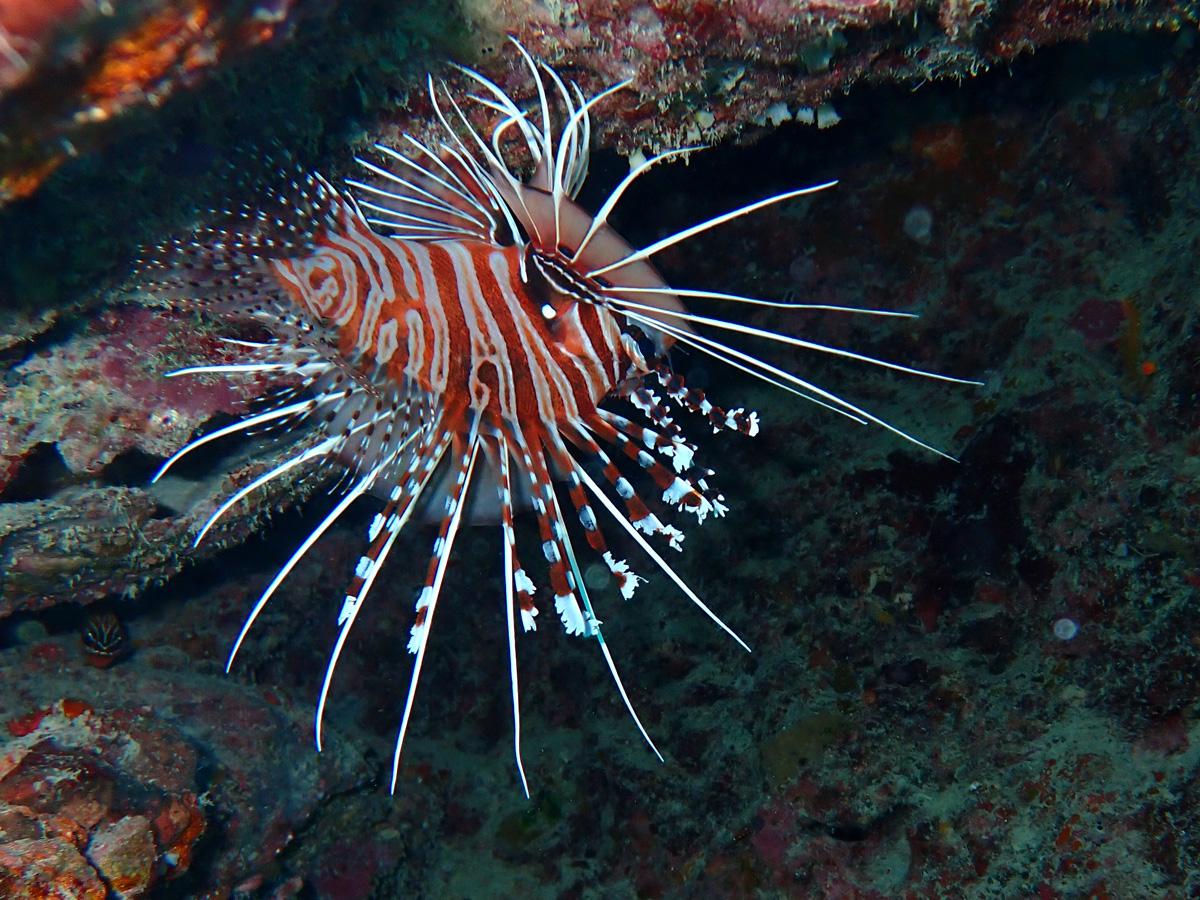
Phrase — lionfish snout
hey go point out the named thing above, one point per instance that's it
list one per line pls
(450, 318)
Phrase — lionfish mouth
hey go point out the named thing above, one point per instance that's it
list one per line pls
(448, 315)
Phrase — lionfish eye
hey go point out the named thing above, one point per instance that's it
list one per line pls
(555, 284)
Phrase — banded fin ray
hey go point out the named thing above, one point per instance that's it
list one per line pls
(724, 352)
(431, 592)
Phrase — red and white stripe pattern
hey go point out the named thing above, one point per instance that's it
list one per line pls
(450, 319)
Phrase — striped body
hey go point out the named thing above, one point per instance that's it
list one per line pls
(457, 318)
(104, 640)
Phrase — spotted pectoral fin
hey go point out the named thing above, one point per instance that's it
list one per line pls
(224, 263)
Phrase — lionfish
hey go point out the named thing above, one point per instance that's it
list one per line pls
(454, 325)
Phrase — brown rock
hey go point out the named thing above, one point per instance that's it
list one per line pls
(124, 853)
(45, 869)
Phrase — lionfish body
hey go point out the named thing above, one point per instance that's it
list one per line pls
(456, 329)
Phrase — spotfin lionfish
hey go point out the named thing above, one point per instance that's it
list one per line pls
(455, 326)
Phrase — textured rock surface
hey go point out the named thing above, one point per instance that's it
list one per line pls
(701, 69)
(73, 774)
(705, 69)
(124, 853)
(42, 869)
(135, 797)
(85, 423)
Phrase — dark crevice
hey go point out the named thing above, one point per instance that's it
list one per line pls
(22, 350)
(42, 474)
(131, 468)
(162, 511)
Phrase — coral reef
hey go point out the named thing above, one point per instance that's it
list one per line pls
(85, 422)
(89, 800)
(187, 781)
(701, 69)
(970, 679)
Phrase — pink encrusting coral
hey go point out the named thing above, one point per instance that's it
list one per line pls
(103, 393)
(82, 421)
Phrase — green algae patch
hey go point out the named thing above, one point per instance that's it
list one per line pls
(519, 830)
(785, 754)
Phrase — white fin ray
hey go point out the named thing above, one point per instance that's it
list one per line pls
(448, 196)
(252, 345)
(716, 353)
(433, 202)
(401, 512)
(535, 141)
(716, 348)
(481, 175)
(294, 409)
(579, 167)
(510, 604)
(415, 228)
(793, 341)
(415, 222)
(593, 625)
(567, 146)
(547, 141)
(361, 487)
(601, 218)
(452, 182)
(512, 117)
(459, 189)
(672, 240)
(474, 230)
(322, 449)
(566, 162)
(779, 304)
(435, 593)
(418, 234)
(232, 368)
